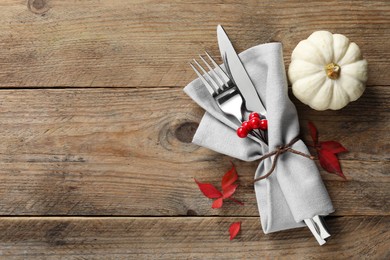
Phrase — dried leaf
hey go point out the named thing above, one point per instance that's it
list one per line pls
(209, 190)
(234, 229)
(313, 132)
(229, 191)
(333, 146)
(229, 178)
(217, 203)
(330, 162)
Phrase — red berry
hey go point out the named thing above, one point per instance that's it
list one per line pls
(253, 114)
(247, 126)
(255, 123)
(242, 132)
(263, 124)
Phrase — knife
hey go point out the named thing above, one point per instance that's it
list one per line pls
(239, 75)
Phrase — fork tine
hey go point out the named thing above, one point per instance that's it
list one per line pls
(225, 78)
(216, 76)
(213, 84)
(204, 81)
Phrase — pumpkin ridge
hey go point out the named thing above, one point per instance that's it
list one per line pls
(304, 90)
(326, 88)
(343, 53)
(339, 91)
(311, 63)
(353, 84)
(302, 69)
(311, 53)
(353, 54)
(322, 51)
(318, 50)
(348, 71)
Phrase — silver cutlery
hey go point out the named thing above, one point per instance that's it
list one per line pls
(318, 228)
(238, 73)
(220, 86)
(223, 90)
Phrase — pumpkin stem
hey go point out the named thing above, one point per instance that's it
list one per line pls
(332, 70)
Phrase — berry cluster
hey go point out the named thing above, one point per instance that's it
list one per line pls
(254, 122)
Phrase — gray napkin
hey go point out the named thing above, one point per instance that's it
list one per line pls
(294, 191)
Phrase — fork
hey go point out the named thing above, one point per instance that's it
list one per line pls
(222, 89)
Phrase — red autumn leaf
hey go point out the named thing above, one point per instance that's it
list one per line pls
(327, 152)
(330, 162)
(234, 229)
(229, 191)
(209, 190)
(333, 147)
(217, 203)
(229, 178)
(313, 132)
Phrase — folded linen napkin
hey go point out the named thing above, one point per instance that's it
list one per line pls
(294, 191)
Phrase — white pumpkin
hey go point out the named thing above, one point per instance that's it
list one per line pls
(327, 71)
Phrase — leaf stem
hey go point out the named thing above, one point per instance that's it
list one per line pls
(236, 201)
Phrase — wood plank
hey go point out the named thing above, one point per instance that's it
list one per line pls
(128, 152)
(126, 188)
(187, 238)
(122, 122)
(120, 43)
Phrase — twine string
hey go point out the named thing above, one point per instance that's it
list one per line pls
(277, 152)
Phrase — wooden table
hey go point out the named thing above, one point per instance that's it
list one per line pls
(96, 159)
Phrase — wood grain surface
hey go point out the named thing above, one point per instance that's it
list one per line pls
(96, 160)
(186, 238)
(128, 43)
(96, 151)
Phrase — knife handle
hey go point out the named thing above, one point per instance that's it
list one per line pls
(318, 228)
(319, 220)
(310, 224)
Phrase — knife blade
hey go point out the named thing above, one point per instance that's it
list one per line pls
(238, 72)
